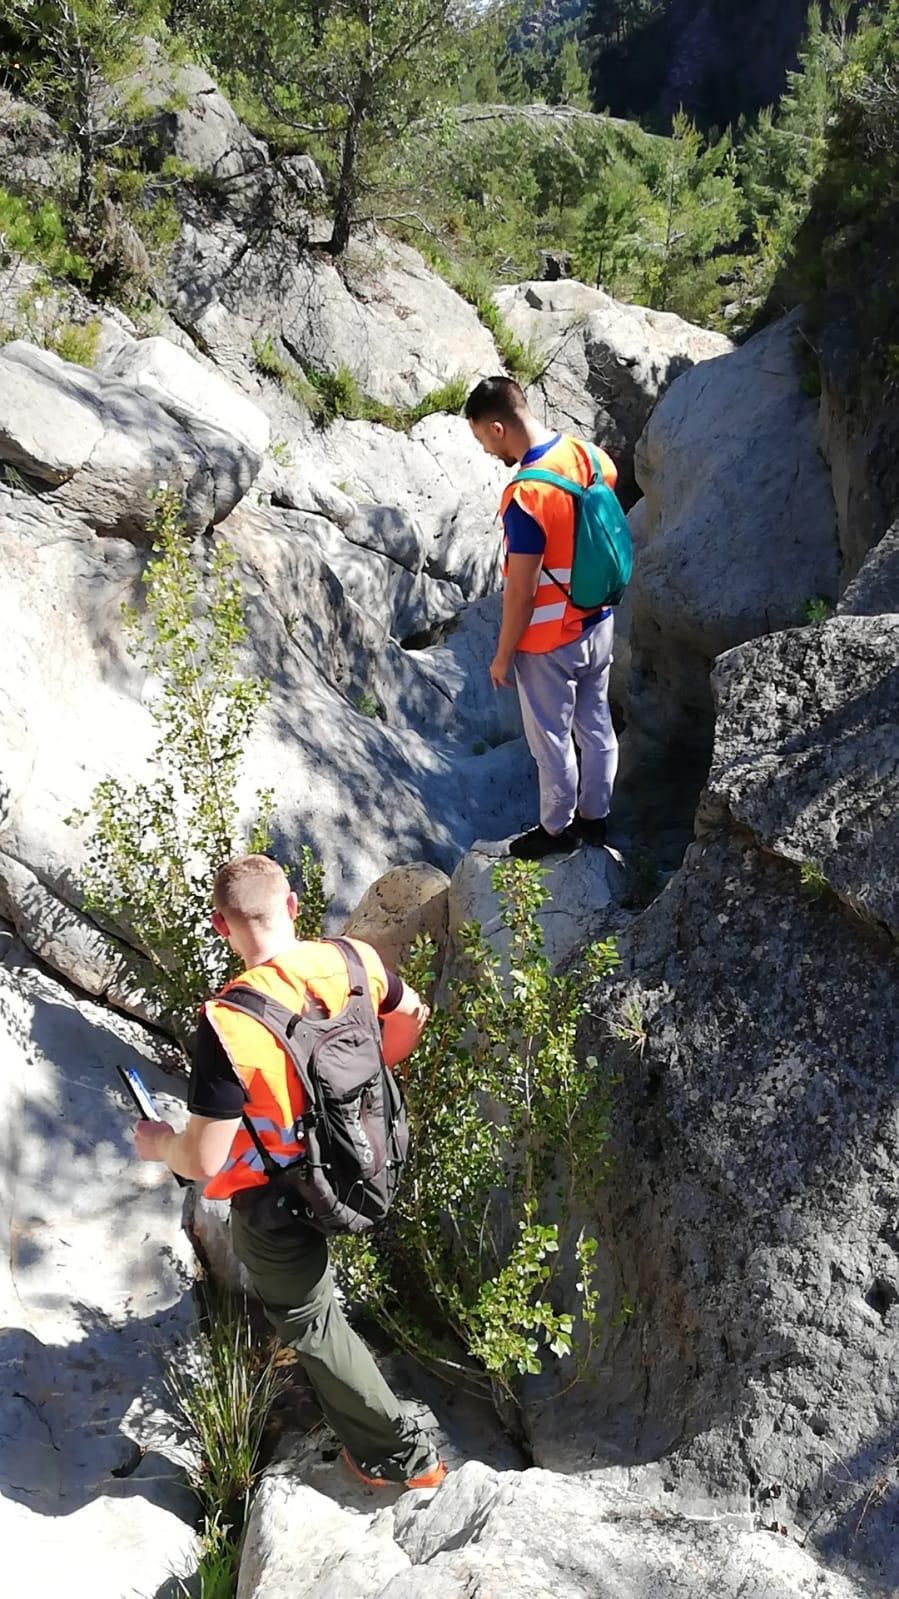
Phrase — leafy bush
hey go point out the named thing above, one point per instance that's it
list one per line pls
(507, 1121)
(38, 233)
(154, 846)
(76, 342)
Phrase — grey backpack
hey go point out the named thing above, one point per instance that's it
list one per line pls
(355, 1128)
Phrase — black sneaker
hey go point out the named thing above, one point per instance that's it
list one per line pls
(592, 830)
(537, 842)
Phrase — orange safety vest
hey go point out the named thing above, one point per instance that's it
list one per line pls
(277, 1098)
(555, 621)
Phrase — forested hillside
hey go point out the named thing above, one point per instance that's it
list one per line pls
(402, 113)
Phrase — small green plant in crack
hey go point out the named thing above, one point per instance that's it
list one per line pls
(369, 705)
(818, 609)
(281, 452)
(813, 880)
(630, 1025)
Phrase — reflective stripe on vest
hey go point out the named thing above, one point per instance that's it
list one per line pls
(554, 620)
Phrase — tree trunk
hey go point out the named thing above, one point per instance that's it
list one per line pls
(345, 202)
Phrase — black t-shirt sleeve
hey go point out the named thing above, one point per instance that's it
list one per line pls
(214, 1090)
(394, 993)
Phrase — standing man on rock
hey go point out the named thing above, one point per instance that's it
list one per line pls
(560, 656)
(243, 1093)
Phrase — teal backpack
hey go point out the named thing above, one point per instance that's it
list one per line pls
(603, 557)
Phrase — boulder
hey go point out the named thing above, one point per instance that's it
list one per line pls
(807, 754)
(191, 392)
(298, 489)
(749, 1216)
(525, 1535)
(438, 475)
(605, 364)
(102, 448)
(584, 889)
(738, 533)
(389, 531)
(400, 601)
(94, 1293)
(406, 902)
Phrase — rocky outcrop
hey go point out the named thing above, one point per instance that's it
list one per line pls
(94, 1288)
(370, 761)
(876, 587)
(737, 533)
(522, 1534)
(102, 446)
(604, 364)
(750, 1220)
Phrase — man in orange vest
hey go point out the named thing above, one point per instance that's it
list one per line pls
(559, 655)
(240, 1070)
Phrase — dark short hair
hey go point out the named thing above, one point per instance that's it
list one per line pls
(496, 400)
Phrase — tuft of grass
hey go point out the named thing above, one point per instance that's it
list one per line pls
(332, 395)
(369, 705)
(630, 1026)
(812, 879)
(76, 342)
(522, 361)
(224, 1387)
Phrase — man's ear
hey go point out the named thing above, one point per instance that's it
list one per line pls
(293, 905)
(220, 925)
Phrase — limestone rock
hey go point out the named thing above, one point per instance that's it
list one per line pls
(459, 668)
(405, 902)
(106, 448)
(807, 754)
(876, 588)
(191, 392)
(606, 364)
(750, 1215)
(526, 1535)
(584, 890)
(385, 316)
(389, 531)
(738, 531)
(437, 474)
(364, 791)
(94, 1287)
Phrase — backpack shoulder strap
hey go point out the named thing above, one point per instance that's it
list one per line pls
(360, 988)
(536, 474)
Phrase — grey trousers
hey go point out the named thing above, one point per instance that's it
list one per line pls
(564, 697)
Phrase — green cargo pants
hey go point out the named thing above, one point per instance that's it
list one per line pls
(290, 1272)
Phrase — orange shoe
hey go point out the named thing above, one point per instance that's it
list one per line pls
(431, 1478)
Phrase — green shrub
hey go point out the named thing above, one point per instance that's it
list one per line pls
(506, 1120)
(76, 342)
(153, 846)
(38, 233)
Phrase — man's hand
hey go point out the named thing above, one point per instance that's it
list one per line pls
(151, 1140)
(501, 670)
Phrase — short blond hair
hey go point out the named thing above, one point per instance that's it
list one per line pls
(253, 887)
